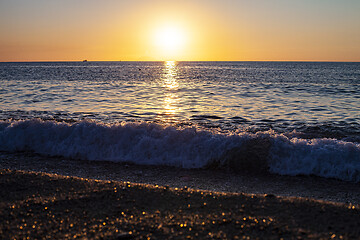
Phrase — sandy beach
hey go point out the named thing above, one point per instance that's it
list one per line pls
(40, 205)
(204, 179)
(171, 203)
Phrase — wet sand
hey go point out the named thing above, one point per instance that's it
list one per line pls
(41, 205)
(214, 180)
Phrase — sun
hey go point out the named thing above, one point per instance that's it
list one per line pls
(169, 40)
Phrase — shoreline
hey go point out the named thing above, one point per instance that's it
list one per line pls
(203, 179)
(39, 205)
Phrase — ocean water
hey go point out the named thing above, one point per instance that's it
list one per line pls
(290, 118)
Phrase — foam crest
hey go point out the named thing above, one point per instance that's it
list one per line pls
(323, 157)
(189, 147)
(141, 143)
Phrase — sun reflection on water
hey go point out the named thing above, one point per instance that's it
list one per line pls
(170, 75)
(169, 104)
(171, 85)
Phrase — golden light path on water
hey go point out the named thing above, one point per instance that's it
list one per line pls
(171, 85)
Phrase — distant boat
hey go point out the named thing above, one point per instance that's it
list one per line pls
(85, 60)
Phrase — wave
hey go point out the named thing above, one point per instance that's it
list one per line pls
(322, 157)
(187, 147)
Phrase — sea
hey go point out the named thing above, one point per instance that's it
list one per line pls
(286, 118)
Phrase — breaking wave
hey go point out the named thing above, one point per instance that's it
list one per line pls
(188, 147)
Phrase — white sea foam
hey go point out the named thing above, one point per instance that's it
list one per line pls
(149, 143)
(324, 157)
(141, 143)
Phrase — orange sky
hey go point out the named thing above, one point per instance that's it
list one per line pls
(212, 30)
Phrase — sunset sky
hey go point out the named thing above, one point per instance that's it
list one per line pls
(212, 30)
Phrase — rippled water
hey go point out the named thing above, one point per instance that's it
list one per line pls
(230, 95)
(284, 117)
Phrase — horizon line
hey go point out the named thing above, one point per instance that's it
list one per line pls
(39, 61)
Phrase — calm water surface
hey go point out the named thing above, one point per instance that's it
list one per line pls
(229, 95)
